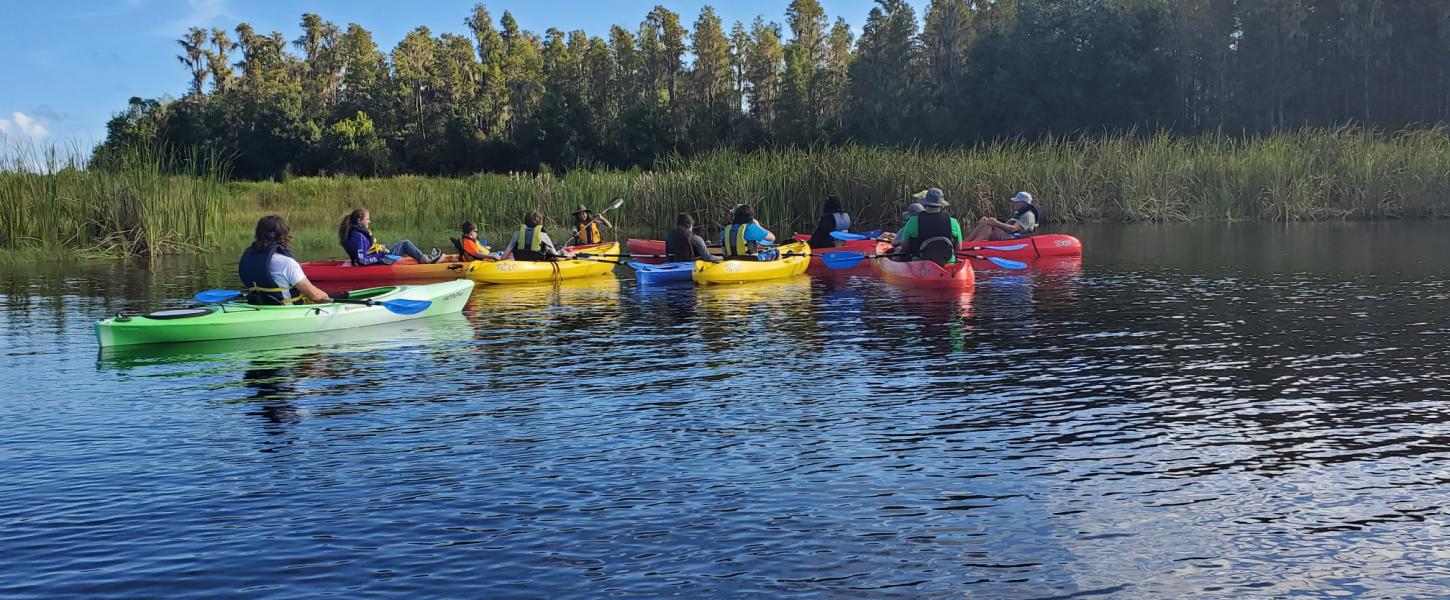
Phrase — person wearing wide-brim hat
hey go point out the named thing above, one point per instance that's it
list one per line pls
(1024, 221)
(587, 226)
(932, 234)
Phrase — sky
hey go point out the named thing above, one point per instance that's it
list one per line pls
(71, 64)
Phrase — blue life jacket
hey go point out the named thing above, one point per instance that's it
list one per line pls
(256, 275)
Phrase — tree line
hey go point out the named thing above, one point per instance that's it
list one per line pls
(499, 98)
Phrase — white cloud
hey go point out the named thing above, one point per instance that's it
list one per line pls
(21, 125)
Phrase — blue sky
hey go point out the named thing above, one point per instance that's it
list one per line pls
(70, 64)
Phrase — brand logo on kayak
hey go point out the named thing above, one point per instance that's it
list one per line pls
(453, 295)
(1062, 243)
(505, 267)
(732, 267)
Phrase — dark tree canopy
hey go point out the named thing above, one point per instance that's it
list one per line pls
(494, 97)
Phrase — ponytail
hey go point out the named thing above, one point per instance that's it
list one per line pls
(344, 228)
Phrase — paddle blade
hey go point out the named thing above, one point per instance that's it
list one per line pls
(847, 236)
(215, 296)
(1003, 248)
(842, 260)
(618, 202)
(1006, 264)
(873, 234)
(407, 307)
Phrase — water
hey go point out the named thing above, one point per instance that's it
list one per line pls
(1210, 411)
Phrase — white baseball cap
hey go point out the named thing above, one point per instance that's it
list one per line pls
(1022, 197)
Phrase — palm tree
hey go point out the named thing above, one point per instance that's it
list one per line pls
(193, 57)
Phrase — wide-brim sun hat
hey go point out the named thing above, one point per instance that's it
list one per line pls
(582, 209)
(931, 198)
(915, 208)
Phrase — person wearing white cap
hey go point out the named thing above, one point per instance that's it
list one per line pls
(933, 234)
(1025, 218)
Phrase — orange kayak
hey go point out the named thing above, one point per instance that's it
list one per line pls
(925, 274)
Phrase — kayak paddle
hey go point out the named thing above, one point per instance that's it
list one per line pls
(216, 296)
(397, 307)
(400, 307)
(846, 260)
(618, 202)
(847, 236)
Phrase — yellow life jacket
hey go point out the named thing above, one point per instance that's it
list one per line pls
(735, 242)
(531, 239)
(588, 233)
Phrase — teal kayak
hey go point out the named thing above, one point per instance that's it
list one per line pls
(235, 320)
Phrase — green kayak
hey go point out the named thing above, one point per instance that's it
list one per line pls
(234, 320)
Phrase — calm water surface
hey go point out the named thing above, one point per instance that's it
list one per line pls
(1214, 411)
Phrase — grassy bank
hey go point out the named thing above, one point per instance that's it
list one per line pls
(1307, 175)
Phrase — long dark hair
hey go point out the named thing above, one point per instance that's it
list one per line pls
(833, 205)
(685, 224)
(744, 215)
(348, 221)
(533, 219)
(272, 230)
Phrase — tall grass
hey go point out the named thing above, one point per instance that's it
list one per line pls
(138, 206)
(1303, 175)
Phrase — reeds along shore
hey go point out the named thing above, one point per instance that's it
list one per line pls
(140, 207)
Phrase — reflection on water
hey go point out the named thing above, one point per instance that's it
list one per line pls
(1221, 411)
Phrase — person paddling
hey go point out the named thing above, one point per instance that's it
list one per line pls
(743, 235)
(586, 226)
(682, 245)
(532, 243)
(1024, 221)
(932, 235)
(356, 237)
(833, 218)
(268, 270)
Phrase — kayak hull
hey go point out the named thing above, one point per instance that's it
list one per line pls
(1047, 245)
(407, 269)
(796, 258)
(925, 274)
(540, 271)
(671, 272)
(236, 320)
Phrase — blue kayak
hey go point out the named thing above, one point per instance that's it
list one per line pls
(669, 272)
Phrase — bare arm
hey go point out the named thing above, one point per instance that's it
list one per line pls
(312, 293)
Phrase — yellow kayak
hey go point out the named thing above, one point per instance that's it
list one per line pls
(538, 271)
(796, 257)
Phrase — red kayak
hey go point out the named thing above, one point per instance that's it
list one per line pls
(1047, 245)
(407, 269)
(925, 274)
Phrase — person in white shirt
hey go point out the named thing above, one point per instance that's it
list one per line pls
(269, 271)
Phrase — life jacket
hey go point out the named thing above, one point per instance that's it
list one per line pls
(821, 237)
(588, 233)
(735, 243)
(255, 273)
(531, 244)
(373, 246)
(934, 240)
(471, 250)
(678, 247)
(1036, 221)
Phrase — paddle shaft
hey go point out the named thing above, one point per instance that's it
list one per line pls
(591, 222)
